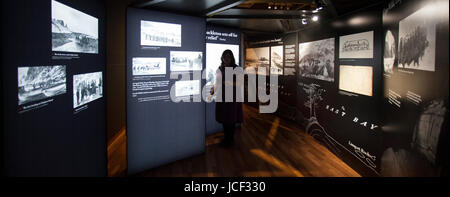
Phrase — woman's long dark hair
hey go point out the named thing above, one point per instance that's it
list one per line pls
(233, 61)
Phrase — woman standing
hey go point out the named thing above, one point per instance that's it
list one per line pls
(227, 113)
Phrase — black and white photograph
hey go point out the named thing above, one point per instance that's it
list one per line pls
(213, 59)
(149, 66)
(276, 60)
(160, 34)
(389, 52)
(417, 41)
(356, 79)
(186, 61)
(316, 60)
(42, 82)
(187, 88)
(356, 46)
(256, 58)
(87, 88)
(73, 31)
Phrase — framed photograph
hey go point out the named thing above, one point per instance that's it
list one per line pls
(356, 79)
(149, 66)
(390, 52)
(160, 34)
(186, 61)
(276, 60)
(356, 46)
(316, 60)
(42, 82)
(72, 30)
(187, 88)
(258, 58)
(417, 41)
(87, 88)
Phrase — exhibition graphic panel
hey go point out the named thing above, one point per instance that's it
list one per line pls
(258, 58)
(276, 60)
(213, 59)
(356, 79)
(417, 41)
(38, 83)
(358, 45)
(72, 30)
(186, 61)
(87, 88)
(160, 34)
(149, 66)
(316, 59)
(165, 55)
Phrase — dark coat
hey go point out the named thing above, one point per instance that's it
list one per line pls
(227, 112)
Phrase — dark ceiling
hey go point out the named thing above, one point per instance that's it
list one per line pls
(274, 16)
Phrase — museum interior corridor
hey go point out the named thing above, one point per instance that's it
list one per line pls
(143, 90)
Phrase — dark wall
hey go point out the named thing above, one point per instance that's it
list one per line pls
(161, 131)
(415, 101)
(115, 64)
(344, 122)
(52, 138)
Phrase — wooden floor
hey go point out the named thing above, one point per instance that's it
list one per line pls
(265, 146)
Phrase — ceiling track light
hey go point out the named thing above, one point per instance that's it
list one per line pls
(315, 18)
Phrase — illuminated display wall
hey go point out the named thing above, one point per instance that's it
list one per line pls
(160, 130)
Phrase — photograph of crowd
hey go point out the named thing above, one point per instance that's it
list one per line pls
(317, 60)
(87, 88)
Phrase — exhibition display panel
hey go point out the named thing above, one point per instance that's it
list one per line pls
(415, 99)
(165, 112)
(53, 77)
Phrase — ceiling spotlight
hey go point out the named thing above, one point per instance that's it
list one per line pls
(304, 22)
(315, 18)
(269, 7)
(275, 7)
(315, 11)
(320, 8)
